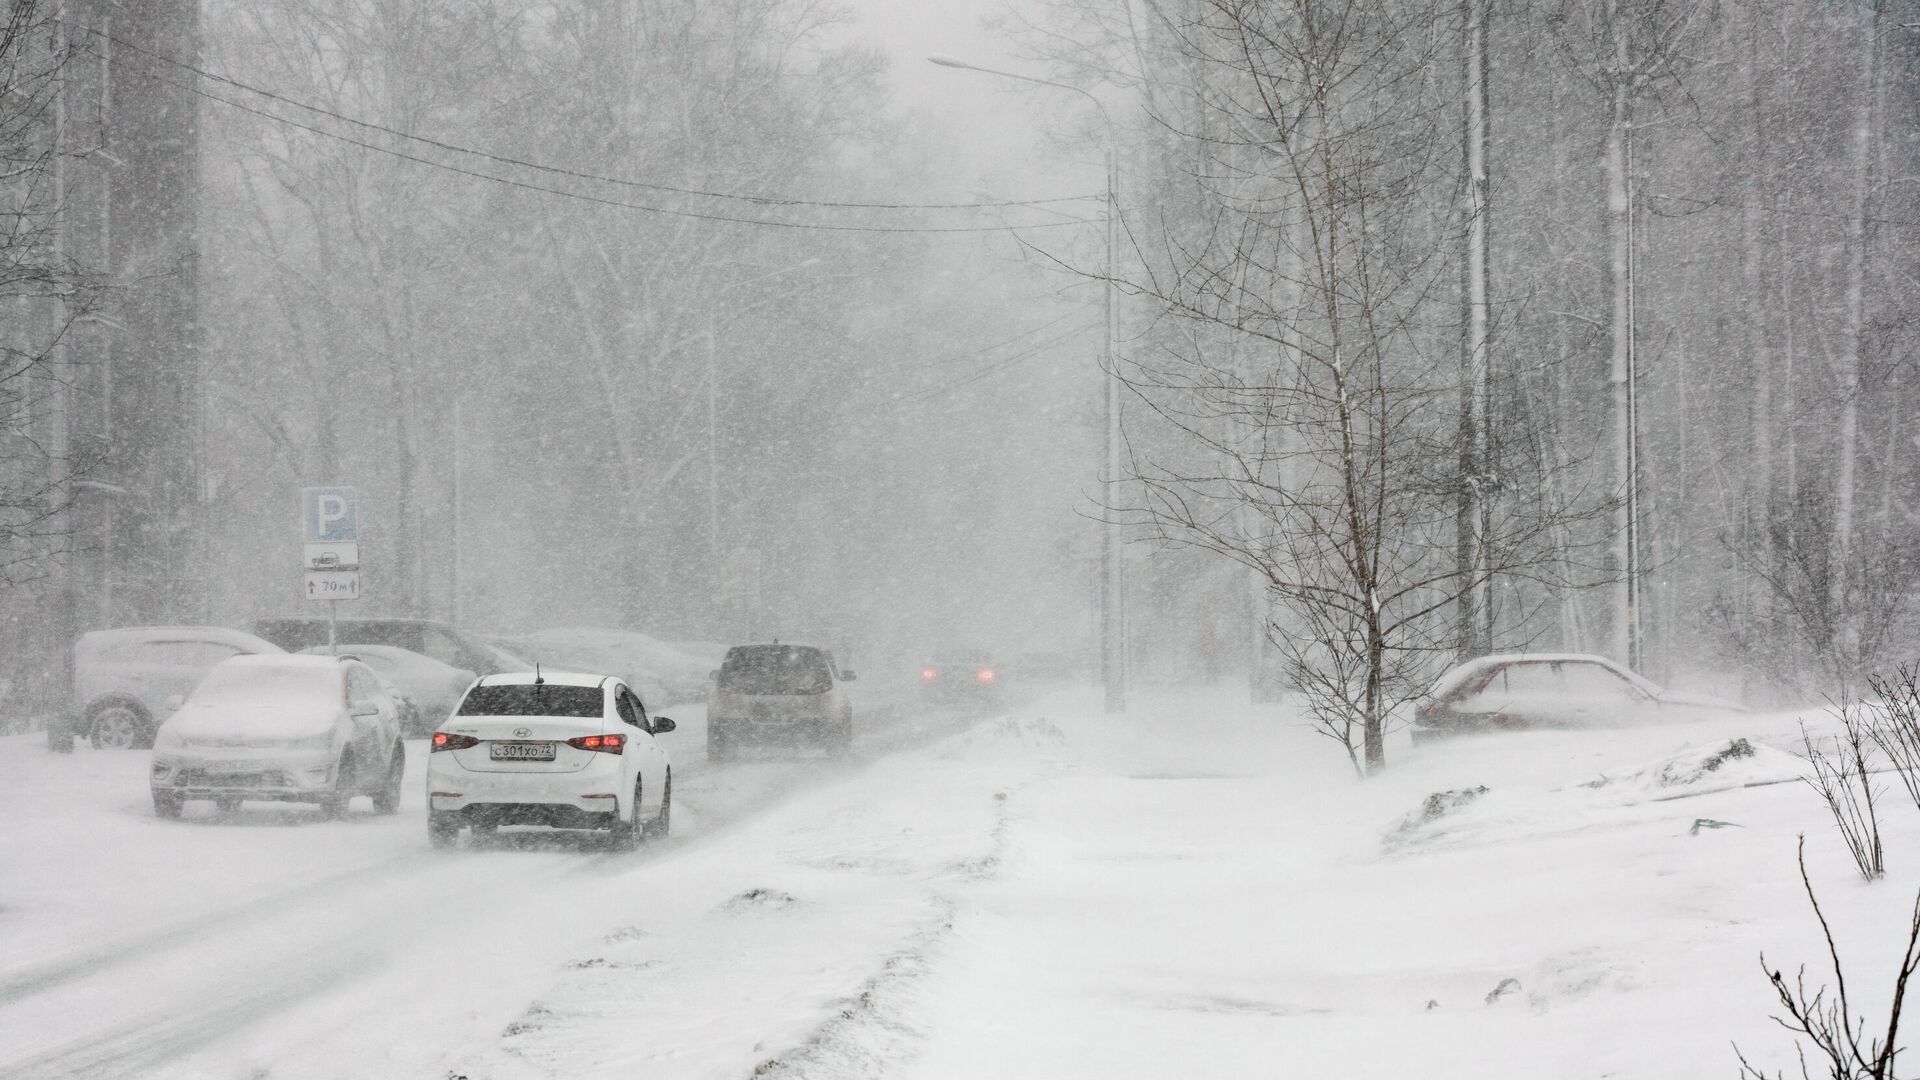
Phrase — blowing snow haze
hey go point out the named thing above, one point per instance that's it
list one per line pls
(1284, 448)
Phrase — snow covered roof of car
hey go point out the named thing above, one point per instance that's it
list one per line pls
(388, 652)
(125, 634)
(269, 676)
(1466, 670)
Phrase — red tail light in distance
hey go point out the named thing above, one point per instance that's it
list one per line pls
(929, 674)
(986, 674)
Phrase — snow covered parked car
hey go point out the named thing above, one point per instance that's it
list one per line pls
(1550, 690)
(126, 681)
(779, 692)
(436, 639)
(559, 749)
(283, 728)
(430, 689)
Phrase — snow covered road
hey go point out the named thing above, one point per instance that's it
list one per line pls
(1048, 893)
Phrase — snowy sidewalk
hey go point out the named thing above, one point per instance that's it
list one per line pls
(1213, 895)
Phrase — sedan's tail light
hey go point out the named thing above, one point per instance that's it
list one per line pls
(600, 744)
(986, 674)
(446, 740)
(929, 674)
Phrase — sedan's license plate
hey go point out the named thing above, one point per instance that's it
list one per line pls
(522, 751)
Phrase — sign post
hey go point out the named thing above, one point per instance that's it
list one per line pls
(330, 519)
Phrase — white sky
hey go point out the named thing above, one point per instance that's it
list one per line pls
(996, 122)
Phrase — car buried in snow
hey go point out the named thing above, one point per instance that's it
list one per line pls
(558, 749)
(1522, 691)
(281, 728)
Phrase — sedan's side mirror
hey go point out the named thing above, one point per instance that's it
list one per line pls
(662, 725)
(846, 676)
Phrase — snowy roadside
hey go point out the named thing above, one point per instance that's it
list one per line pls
(1199, 889)
(1242, 910)
(1208, 894)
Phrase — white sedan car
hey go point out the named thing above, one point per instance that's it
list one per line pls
(564, 750)
(282, 728)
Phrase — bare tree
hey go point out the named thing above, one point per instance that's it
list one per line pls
(1313, 389)
(1846, 1049)
(43, 291)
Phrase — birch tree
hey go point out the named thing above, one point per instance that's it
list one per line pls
(1328, 467)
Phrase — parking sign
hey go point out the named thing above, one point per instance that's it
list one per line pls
(330, 514)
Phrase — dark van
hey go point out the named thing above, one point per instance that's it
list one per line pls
(779, 692)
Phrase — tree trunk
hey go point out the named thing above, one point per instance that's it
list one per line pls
(1474, 608)
(1847, 374)
(1759, 493)
(1619, 226)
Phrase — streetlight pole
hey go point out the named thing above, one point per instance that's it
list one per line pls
(1113, 651)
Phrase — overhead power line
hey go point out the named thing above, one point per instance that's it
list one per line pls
(995, 367)
(602, 201)
(577, 174)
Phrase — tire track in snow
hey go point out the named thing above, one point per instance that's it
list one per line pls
(164, 1035)
(40, 977)
(873, 1034)
(219, 1003)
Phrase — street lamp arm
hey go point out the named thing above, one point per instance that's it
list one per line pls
(956, 62)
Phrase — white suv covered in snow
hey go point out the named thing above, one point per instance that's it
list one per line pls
(564, 750)
(126, 681)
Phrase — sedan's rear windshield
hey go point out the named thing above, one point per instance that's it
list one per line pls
(528, 699)
(776, 669)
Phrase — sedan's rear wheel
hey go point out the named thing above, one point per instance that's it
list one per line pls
(663, 821)
(443, 828)
(625, 835)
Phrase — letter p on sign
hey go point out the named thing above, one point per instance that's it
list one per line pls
(330, 514)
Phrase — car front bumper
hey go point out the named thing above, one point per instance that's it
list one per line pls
(293, 777)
